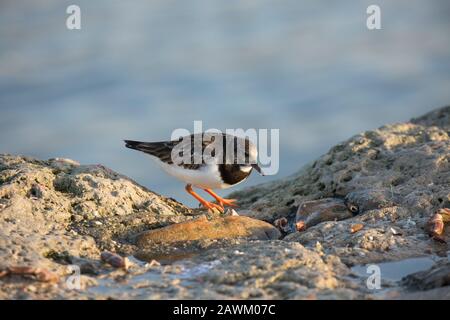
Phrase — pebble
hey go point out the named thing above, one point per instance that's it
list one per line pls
(232, 212)
(282, 224)
(410, 223)
(31, 288)
(115, 260)
(319, 248)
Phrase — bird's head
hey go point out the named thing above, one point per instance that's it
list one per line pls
(251, 158)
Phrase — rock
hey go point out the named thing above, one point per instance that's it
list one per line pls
(269, 269)
(218, 228)
(91, 201)
(397, 176)
(328, 209)
(282, 224)
(57, 216)
(115, 260)
(433, 294)
(50, 209)
(56, 213)
(438, 276)
(436, 118)
(39, 274)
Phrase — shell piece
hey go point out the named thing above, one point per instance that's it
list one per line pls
(435, 225)
(300, 225)
(231, 212)
(356, 227)
(395, 232)
(445, 213)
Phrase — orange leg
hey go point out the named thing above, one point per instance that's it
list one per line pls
(222, 201)
(208, 205)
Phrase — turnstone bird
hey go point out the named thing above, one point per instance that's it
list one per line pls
(214, 161)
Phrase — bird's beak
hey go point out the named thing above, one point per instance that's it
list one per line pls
(257, 168)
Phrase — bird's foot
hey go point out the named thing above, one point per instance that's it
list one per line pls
(227, 202)
(222, 201)
(212, 207)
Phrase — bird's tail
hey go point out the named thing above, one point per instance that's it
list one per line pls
(135, 145)
(158, 149)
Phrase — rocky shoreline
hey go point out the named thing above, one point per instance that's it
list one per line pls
(367, 201)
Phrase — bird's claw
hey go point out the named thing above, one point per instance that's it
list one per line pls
(212, 207)
(227, 202)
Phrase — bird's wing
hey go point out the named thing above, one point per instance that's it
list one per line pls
(195, 146)
(164, 149)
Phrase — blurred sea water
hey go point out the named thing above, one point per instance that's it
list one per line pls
(140, 69)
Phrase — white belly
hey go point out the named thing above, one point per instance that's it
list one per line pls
(207, 176)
